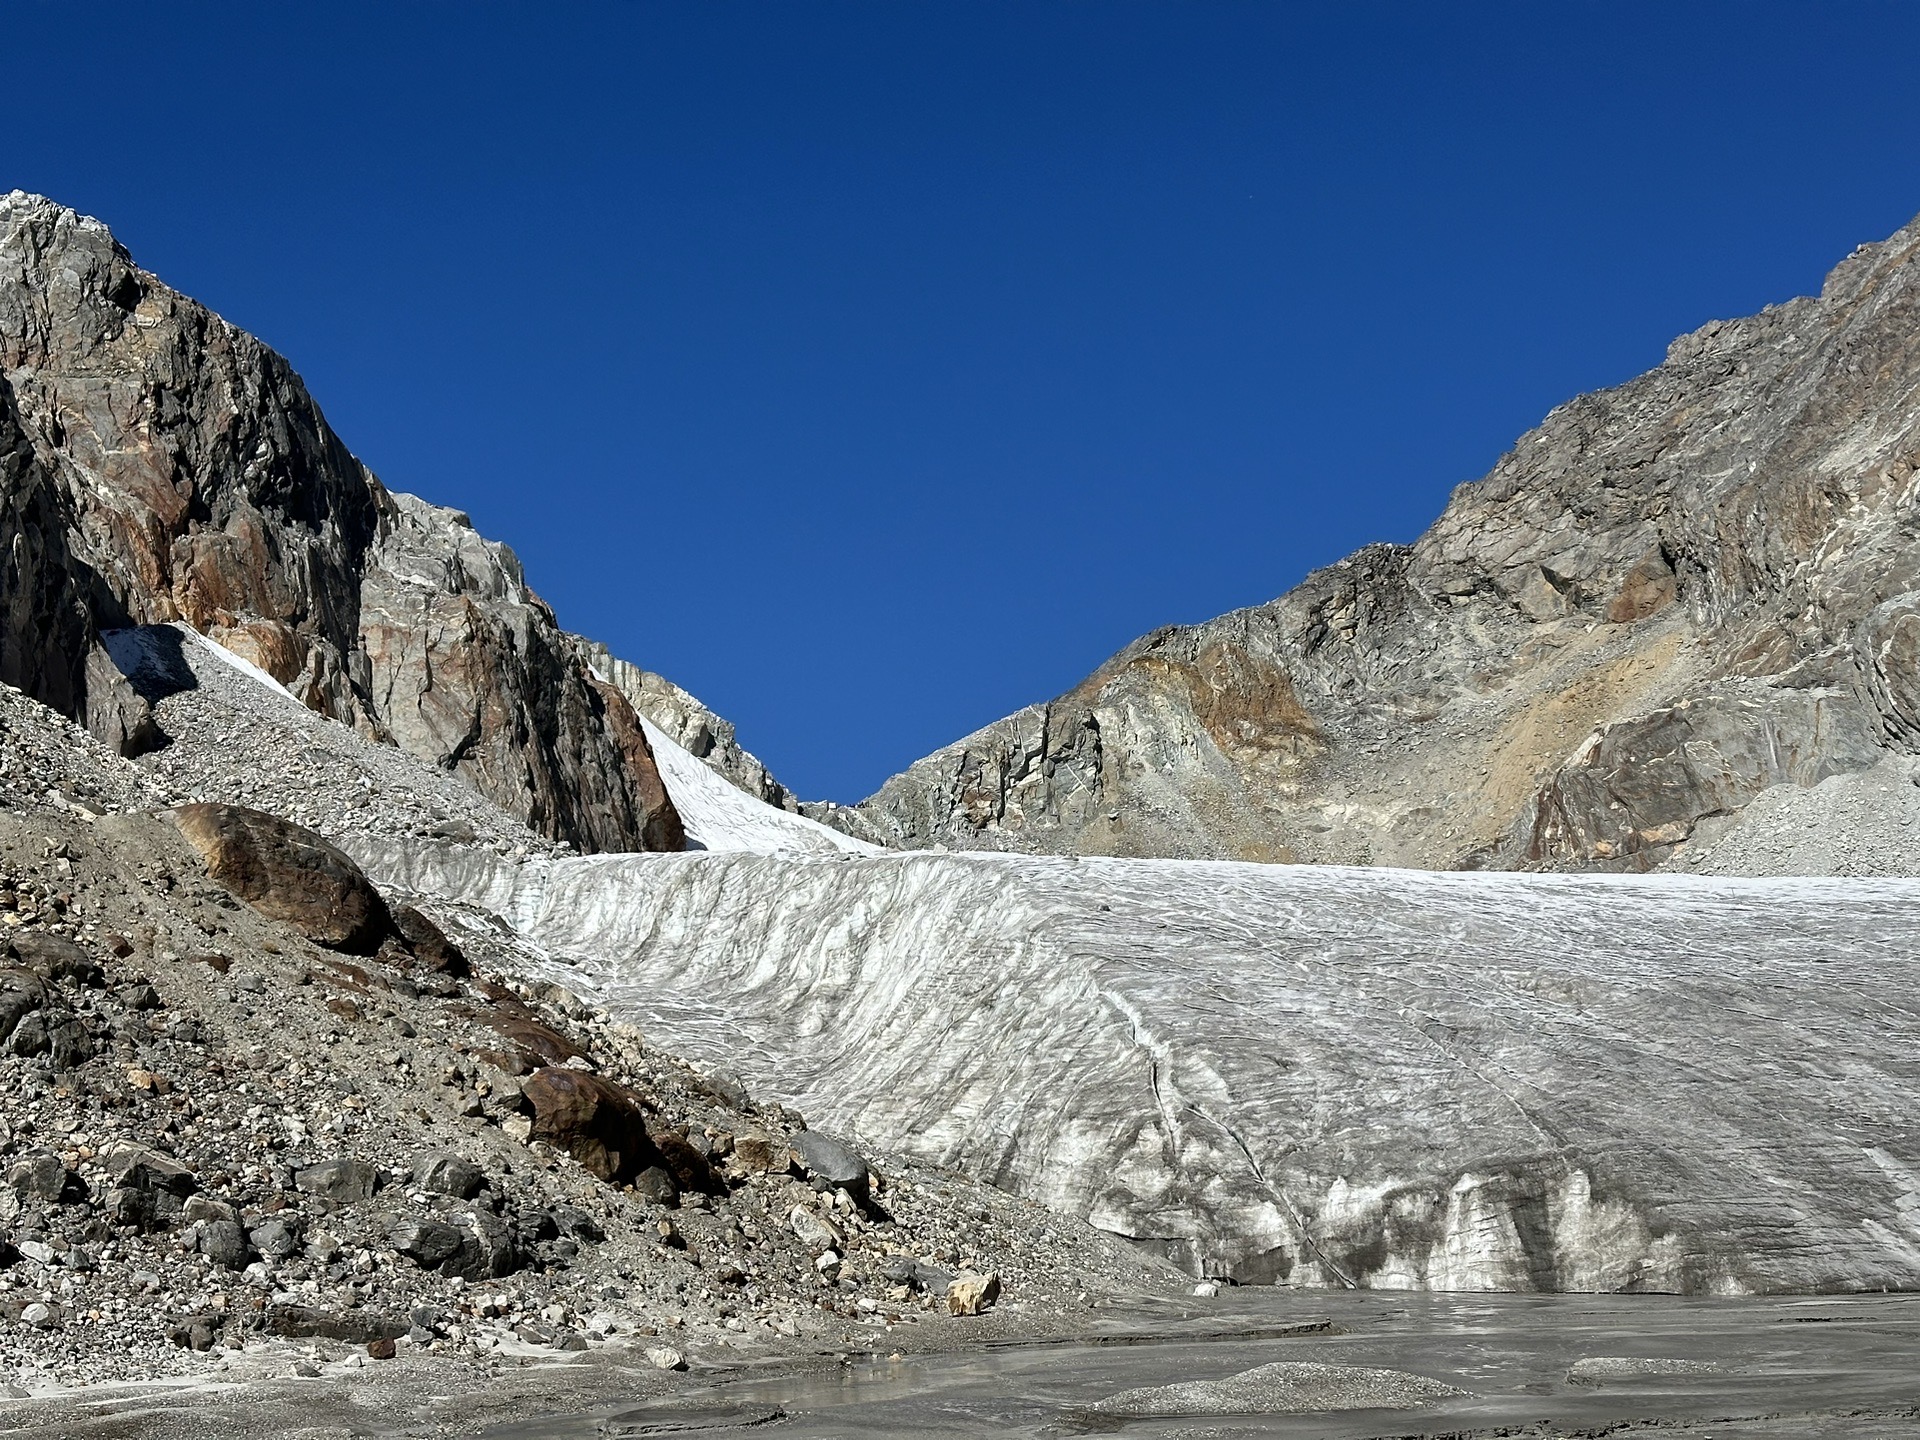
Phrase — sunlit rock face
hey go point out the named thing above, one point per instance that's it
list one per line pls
(1666, 599)
(1321, 1077)
(158, 464)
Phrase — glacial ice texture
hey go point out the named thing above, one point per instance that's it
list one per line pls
(1315, 1076)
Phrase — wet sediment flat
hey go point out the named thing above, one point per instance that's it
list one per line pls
(1353, 1367)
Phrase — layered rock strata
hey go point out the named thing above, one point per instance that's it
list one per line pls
(1666, 599)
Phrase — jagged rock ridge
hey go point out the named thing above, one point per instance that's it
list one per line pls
(157, 464)
(1666, 599)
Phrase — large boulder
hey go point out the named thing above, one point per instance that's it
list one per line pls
(599, 1123)
(606, 1128)
(287, 873)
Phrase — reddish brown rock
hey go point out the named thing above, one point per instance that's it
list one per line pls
(599, 1123)
(216, 494)
(287, 873)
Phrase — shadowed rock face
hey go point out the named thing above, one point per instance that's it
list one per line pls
(1668, 597)
(157, 464)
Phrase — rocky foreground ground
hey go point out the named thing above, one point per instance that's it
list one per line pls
(259, 1124)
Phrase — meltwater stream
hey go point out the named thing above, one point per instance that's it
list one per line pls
(1350, 1367)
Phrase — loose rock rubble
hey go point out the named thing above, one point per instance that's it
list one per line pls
(233, 1134)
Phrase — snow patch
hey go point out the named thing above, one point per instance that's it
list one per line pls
(720, 816)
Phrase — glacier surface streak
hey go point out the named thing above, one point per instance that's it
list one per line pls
(1308, 1075)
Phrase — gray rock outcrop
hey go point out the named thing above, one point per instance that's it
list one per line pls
(157, 465)
(1668, 598)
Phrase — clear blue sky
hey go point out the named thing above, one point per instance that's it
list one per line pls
(875, 369)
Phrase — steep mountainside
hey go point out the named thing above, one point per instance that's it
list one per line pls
(156, 464)
(1666, 599)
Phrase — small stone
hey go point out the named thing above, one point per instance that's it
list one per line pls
(664, 1357)
(40, 1316)
(381, 1349)
(753, 1150)
(813, 1232)
(306, 1370)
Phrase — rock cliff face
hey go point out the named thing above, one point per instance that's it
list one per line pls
(1667, 598)
(156, 464)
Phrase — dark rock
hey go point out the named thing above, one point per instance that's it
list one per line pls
(439, 1173)
(224, 1243)
(578, 1224)
(356, 1327)
(21, 993)
(196, 1332)
(68, 1044)
(287, 873)
(840, 1165)
(143, 1169)
(129, 1206)
(428, 944)
(428, 1243)
(381, 1349)
(601, 1124)
(487, 1252)
(904, 1270)
(56, 958)
(655, 1184)
(341, 1180)
(728, 1087)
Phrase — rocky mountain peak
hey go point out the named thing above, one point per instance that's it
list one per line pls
(158, 465)
(1667, 598)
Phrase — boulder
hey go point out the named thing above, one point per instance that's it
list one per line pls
(428, 944)
(439, 1173)
(56, 958)
(916, 1275)
(428, 1243)
(341, 1180)
(40, 1175)
(827, 1159)
(275, 1238)
(224, 1243)
(21, 993)
(970, 1294)
(601, 1124)
(141, 1168)
(287, 873)
(356, 1327)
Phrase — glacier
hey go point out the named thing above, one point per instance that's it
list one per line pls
(1303, 1075)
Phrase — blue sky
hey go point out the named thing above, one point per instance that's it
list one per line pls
(875, 369)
